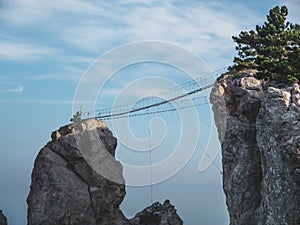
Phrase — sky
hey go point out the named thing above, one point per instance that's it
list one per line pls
(48, 47)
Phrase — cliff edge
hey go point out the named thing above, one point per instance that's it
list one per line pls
(259, 129)
(76, 179)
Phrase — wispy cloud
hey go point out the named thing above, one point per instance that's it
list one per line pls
(90, 36)
(204, 28)
(45, 77)
(31, 12)
(15, 50)
(97, 26)
(52, 77)
(100, 23)
(46, 101)
(196, 26)
(11, 89)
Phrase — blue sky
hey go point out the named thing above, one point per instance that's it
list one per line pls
(45, 48)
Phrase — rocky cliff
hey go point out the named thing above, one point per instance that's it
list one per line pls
(3, 220)
(157, 214)
(76, 179)
(259, 130)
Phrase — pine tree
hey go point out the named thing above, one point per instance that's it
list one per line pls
(272, 49)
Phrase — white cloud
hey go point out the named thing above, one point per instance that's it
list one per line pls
(43, 77)
(14, 50)
(77, 59)
(90, 36)
(68, 73)
(11, 89)
(97, 26)
(198, 28)
(30, 12)
(204, 28)
(41, 101)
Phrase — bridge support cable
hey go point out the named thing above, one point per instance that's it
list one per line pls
(153, 105)
(150, 160)
(168, 96)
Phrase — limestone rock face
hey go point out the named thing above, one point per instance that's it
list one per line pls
(76, 179)
(157, 214)
(278, 138)
(259, 130)
(3, 220)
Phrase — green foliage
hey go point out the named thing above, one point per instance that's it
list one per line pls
(272, 49)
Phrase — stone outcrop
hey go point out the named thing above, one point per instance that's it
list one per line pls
(68, 187)
(3, 220)
(259, 130)
(76, 179)
(157, 214)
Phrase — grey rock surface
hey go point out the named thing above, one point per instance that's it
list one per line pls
(3, 219)
(77, 181)
(157, 214)
(278, 138)
(259, 130)
(67, 184)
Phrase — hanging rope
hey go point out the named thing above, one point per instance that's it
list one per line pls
(150, 159)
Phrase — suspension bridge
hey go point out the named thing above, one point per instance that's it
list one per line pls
(152, 104)
(183, 96)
